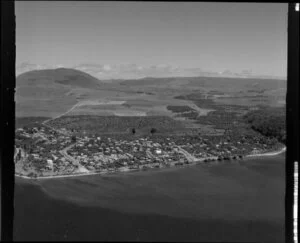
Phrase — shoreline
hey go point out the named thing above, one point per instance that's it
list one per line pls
(274, 153)
(268, 154)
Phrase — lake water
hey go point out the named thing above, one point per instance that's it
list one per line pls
(237, 201)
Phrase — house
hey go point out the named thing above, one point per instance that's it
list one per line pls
(90, 167)
(50, 164)
(158, 151)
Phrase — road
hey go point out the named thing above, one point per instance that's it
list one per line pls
(65, 150)
(150, 154)
(189, 157)
(72, 108)
(67, 156)
(75, 162)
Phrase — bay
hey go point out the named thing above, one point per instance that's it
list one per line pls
(232, 201)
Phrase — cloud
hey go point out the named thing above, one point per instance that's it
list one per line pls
(226, 72)
(247, 72)
(134, 71)
(107, 67)
(121, 71)
(26, 66)
(59, 66)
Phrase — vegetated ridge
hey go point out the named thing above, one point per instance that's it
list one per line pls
(63, 76)
(269, 122)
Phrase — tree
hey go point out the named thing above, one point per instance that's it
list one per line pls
(153, 130)
(133, 131)
(73, 138)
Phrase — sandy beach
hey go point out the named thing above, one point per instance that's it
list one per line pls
(267, 154)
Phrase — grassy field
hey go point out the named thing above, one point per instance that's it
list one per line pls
(23, 121)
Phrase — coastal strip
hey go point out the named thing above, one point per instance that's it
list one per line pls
(268, 154)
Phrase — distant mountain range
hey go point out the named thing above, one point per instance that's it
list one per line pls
(132, 71)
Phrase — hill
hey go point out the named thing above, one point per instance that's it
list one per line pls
(51, 92)
(60, 76)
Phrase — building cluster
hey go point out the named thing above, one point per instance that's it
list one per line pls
(38, 148)
(42, 150)
(222, 147)
(106, 153)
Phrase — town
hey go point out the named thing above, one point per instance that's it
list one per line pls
(45, 151)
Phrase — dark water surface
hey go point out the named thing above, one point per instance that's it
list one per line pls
(219, 202)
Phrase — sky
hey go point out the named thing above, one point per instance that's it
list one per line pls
(115, 39)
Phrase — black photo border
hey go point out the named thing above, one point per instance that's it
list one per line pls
(7, 115)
